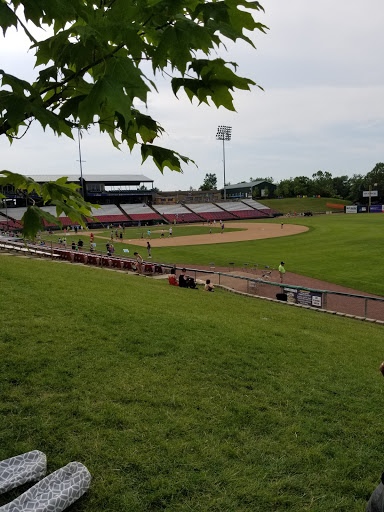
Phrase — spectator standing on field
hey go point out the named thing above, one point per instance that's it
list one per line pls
(281, 271)
(149, 249)
(139, 262)
(170, 232)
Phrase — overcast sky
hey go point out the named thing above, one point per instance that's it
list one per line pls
(322, 108)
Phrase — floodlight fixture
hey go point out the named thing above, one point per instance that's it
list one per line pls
(224, 133)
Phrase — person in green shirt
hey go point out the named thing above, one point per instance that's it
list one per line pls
(281, 271)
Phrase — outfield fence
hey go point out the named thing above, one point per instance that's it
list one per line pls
(357, 305)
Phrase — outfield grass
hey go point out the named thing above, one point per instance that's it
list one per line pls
(174, 403)
(299, 205)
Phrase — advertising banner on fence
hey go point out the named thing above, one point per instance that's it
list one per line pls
(351, 209)
(376, 208)
(304, 297)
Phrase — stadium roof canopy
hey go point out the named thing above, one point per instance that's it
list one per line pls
(107, 179)
(245, 185)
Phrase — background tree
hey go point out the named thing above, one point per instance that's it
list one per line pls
(285, 188)
(302, 186)
(210, 182)
(375, 180)
(341, 186)
(92, 66)
(356, 187)
(323, 184)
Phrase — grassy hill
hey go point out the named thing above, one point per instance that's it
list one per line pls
(299, 205)
(181, 400)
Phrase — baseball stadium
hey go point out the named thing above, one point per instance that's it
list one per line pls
(260, 396)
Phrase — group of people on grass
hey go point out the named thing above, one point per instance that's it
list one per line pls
(186, 281)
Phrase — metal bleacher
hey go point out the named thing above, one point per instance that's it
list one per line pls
(140, 212)
(241, 210)
(258, 206)
(109, 213)
(177, 213)
(10, 218)
(210, 211)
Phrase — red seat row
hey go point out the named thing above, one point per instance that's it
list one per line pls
(182, 217)
(249, 214)
(109, 218)
(105, 261)
(217, 215)
(145, 216)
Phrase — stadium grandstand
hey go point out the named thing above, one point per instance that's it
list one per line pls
(210, 211)
(97, 188)
(241, 210)
(261, 207)
(140, 212)
(177, 213)
(108, 214)
(10, 218)
(125, 200)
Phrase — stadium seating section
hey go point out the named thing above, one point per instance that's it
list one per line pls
(106, 214)
(140, 212)
(177, 213)
(222, 215)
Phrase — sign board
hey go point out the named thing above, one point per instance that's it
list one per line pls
(376, 208)
(351, 209)
(372, 193)
(304, 297)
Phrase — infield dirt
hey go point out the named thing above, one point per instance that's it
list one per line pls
(251, 231)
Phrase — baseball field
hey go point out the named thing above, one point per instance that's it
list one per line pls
(181, 400)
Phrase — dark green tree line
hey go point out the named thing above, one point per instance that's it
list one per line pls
(342, 187)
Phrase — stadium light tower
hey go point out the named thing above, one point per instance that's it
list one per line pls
(224, 133)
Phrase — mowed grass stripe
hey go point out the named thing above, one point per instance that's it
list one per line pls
(181, 400)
